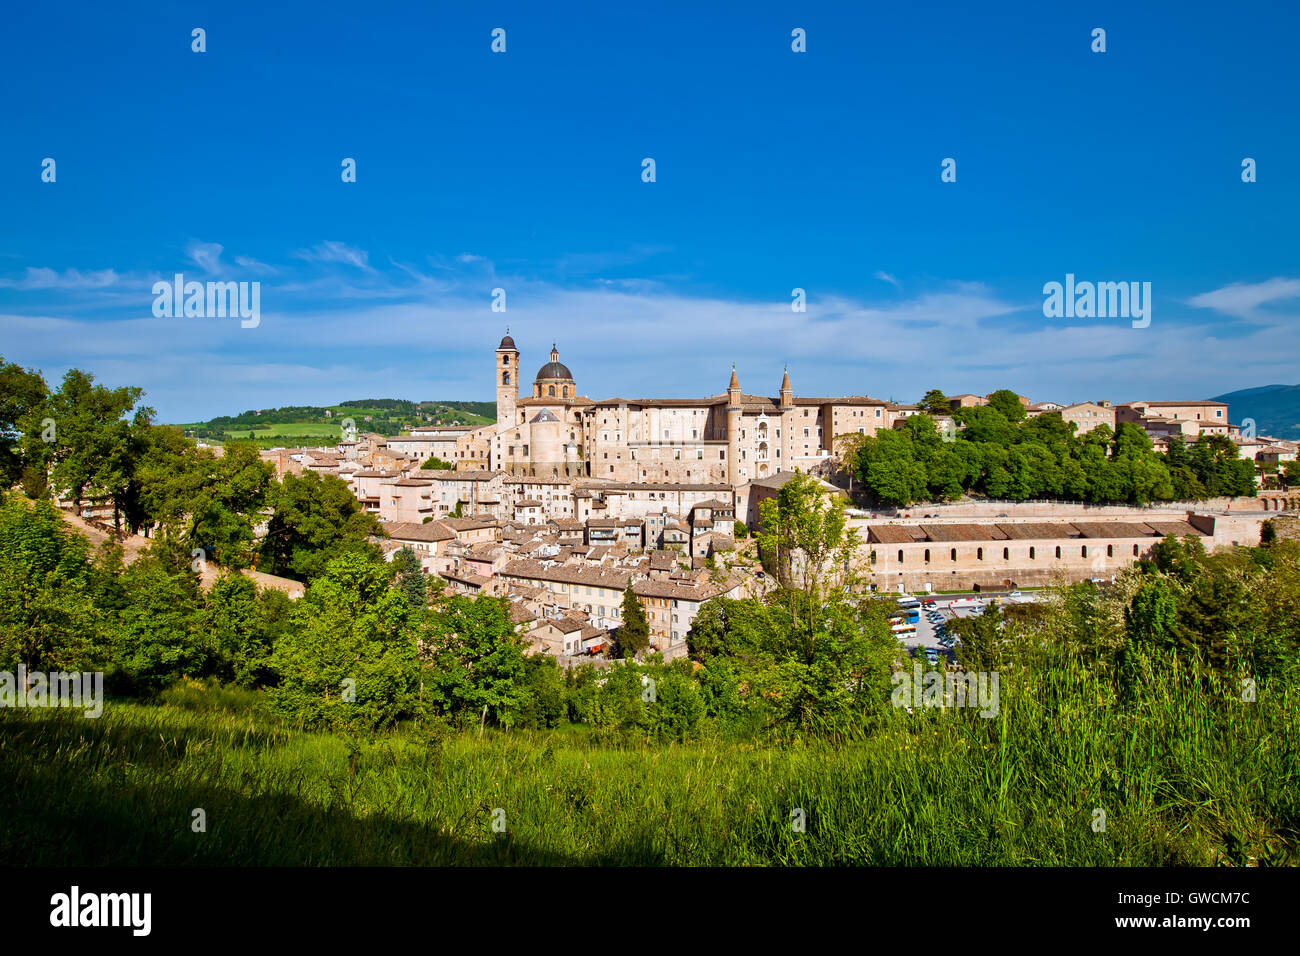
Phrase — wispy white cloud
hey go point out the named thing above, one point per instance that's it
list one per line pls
(1243, 299)
(339, 252)
(205, 255)
(884, 276)
(253, 265)
(424, 332)
(44, 278)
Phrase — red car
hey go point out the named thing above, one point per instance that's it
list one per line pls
(930, 603)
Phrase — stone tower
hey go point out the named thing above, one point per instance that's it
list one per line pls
(507, 381)
(786, 442)
(733, 430)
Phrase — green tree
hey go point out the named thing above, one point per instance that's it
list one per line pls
(634, 633)
(314, 518)
(476, 661)
(48, 619)
(934, 402)
(350, 657)
(22, 391)
(86, 454)
(1008, 403)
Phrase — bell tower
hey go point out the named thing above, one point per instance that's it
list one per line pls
(507, 381)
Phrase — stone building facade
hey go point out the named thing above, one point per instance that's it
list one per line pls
(731, 438)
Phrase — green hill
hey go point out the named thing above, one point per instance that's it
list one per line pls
(1275, 409)
(317, 425)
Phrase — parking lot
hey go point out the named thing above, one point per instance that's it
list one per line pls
(948, 607)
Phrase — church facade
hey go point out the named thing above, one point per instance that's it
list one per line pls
(551, 431)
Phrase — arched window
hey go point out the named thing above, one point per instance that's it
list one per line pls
(1006, 554)
(1058, 550)
(1110, 551)
(551, 391)
(1135, 550)
(979, 554)
(1083, 552)
(954, 554)
(565, 391)
(900, 555)
(505, 378)
(1031, 554)
(505, 360)
(927, 554)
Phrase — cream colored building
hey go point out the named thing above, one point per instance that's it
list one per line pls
(730, 438)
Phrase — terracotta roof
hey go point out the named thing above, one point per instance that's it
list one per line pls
(410, 531)
(566, 574)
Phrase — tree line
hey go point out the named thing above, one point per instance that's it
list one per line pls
(83, 441)
(996, 451)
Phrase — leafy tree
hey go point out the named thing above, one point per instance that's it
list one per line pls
(411, 578)
(935, 402)
(1008, 403)
(239, 622)
(22, 391)
(90, 430)
(634, 632)
(476, 662)
(48, 619)
(433, 463)
(156, 637)
(805, 534)
(350, 657)
(314, 518)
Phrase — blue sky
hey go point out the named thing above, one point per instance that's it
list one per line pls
(775, 170)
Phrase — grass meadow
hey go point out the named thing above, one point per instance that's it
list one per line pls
(1184, 777)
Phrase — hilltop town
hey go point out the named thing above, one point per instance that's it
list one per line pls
(564, 501)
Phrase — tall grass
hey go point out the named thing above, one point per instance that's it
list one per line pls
(1183, 775)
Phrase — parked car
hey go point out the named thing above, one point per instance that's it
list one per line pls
(929, 602)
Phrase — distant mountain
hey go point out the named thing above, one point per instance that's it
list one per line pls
(1275, 409)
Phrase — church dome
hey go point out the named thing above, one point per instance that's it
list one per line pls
(506, 343)
(554, 370)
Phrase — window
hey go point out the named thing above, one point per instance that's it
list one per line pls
(505, 378)
(954, 554)
(1031, 554)
(900, 555)
(1006, 554)
(550, 391)
(1135, 550)
(505, 360)
(1058, 550)
(927, 554)
(1083, 553)
(979, 554)
(1110, 551)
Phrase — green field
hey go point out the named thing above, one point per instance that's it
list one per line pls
(1183, 779)
(303, 426)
